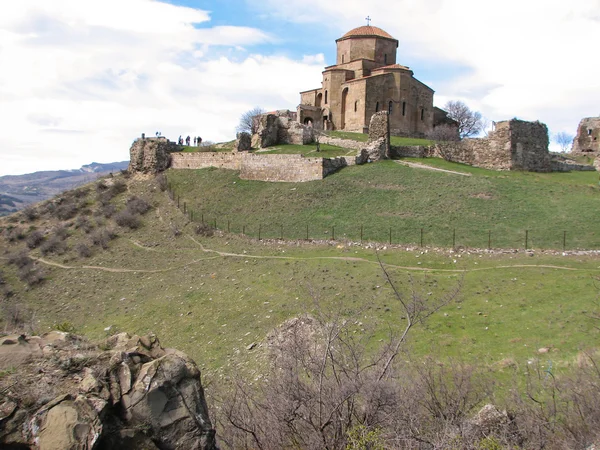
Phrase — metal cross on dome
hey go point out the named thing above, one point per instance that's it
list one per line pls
(368, 19)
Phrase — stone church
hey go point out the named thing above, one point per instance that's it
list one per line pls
(366, 79)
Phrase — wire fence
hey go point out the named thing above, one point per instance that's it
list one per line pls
(500, 237)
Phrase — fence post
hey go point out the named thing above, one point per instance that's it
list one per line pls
(184, 207)
(421, 237)
(202, 218)
(228, 230)
(390, 235)
(526, 238)
(489, 239)
(281, 234)
(307, 232)
(564, 240)
(454, 238)
(178, 201)
(244, 230)
(215, 223)
(361, 234)
(333, 233)
(259, 230)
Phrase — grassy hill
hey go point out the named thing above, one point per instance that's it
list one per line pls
(95, 270)
(474, 208)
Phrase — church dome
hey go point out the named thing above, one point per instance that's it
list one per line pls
(367, 31)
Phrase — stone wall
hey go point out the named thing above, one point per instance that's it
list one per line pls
(252, 166)
(281, 127)
(379, 128)
(202, 160)
(286, 168)
(588, 136)
(150, 155)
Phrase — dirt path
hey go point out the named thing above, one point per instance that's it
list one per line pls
(426, 167)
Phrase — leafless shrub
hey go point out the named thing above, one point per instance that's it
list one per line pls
(19, 259)
(30, 213)
(82, 222)
(125, 173)
(101, 237)
(54, 244)
(107, 210)
(205, 230)
(15, 315)
(34, 239)
(175, 230)
(162, 181)
(81, 192)
(14, 233)
(325, 386)
(66, 210)
(31, 274)
(106, 192)
(137, 205)
(444, 133)
(126, 218)
(83, 250)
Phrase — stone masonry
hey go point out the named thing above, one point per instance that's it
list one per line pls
(151, 155)
(588, 136)
(243, 142)
(281, 127)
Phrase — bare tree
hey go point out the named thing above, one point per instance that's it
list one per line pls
(248, 122)
(563, 139)
(443, 133)
(470, 123)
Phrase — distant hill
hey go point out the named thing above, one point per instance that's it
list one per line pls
(18, 191)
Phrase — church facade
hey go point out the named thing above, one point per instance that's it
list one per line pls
(367, 79)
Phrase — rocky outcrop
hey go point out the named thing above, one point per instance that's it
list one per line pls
(243, 142)
(60, 392)
(150, 155)
(375, 150)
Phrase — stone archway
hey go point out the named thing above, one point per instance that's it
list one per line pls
(344, 104)
(308, 121)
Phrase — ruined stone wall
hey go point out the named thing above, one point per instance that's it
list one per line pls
(286, 168)
(331, 165)
(529, 145)
(150, 155)
(202, 160)
(588, 136)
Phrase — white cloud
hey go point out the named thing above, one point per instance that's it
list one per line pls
(534, 59)
(81, 79)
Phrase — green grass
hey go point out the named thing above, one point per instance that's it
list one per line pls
(394, 140)
(327, 151)
(213, 297)
(488, 207)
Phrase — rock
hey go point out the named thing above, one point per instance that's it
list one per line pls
(66, 424)
(281, 128)
(122, 398)
(376, 150)
(543, 350)
(167, 394)
(16, 351)
(151, 155)
(489, 418)
(243, 142)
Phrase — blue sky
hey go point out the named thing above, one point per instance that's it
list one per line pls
(81, 79)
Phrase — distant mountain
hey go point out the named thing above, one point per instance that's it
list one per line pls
(18, 191)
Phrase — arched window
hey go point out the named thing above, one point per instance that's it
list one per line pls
(403, 108)
(422, 113)
(390, 108)
(325, 97)
(377, 107)
(356, 106)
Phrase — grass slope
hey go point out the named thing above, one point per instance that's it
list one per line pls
(487, 207)
(214, 296)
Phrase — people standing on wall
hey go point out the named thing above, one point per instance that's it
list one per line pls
(187, 141)
(180, 140)
(199, 141)
(194, 141)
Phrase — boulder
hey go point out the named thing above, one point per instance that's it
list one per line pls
(73, 395)
(167, 394)
(151, 155)
(267, 131)
(243, 142)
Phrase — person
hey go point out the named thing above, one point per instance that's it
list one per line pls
(187, 141)
(180, 140)
(199, 141)
(194, 140)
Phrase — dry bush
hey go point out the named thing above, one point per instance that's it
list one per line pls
(101, 237)
(444, 133)
(14, 234)
(137, 205)
(54, 244)
(83, 250)
(205, 230)
(30, 213)
(126, 218)
(82, 222)
(107, 191)
(326, 386)
(19, 259)
(107, 210)
(66, 210)
(34, 239)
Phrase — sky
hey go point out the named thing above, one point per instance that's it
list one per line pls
(81, 79)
